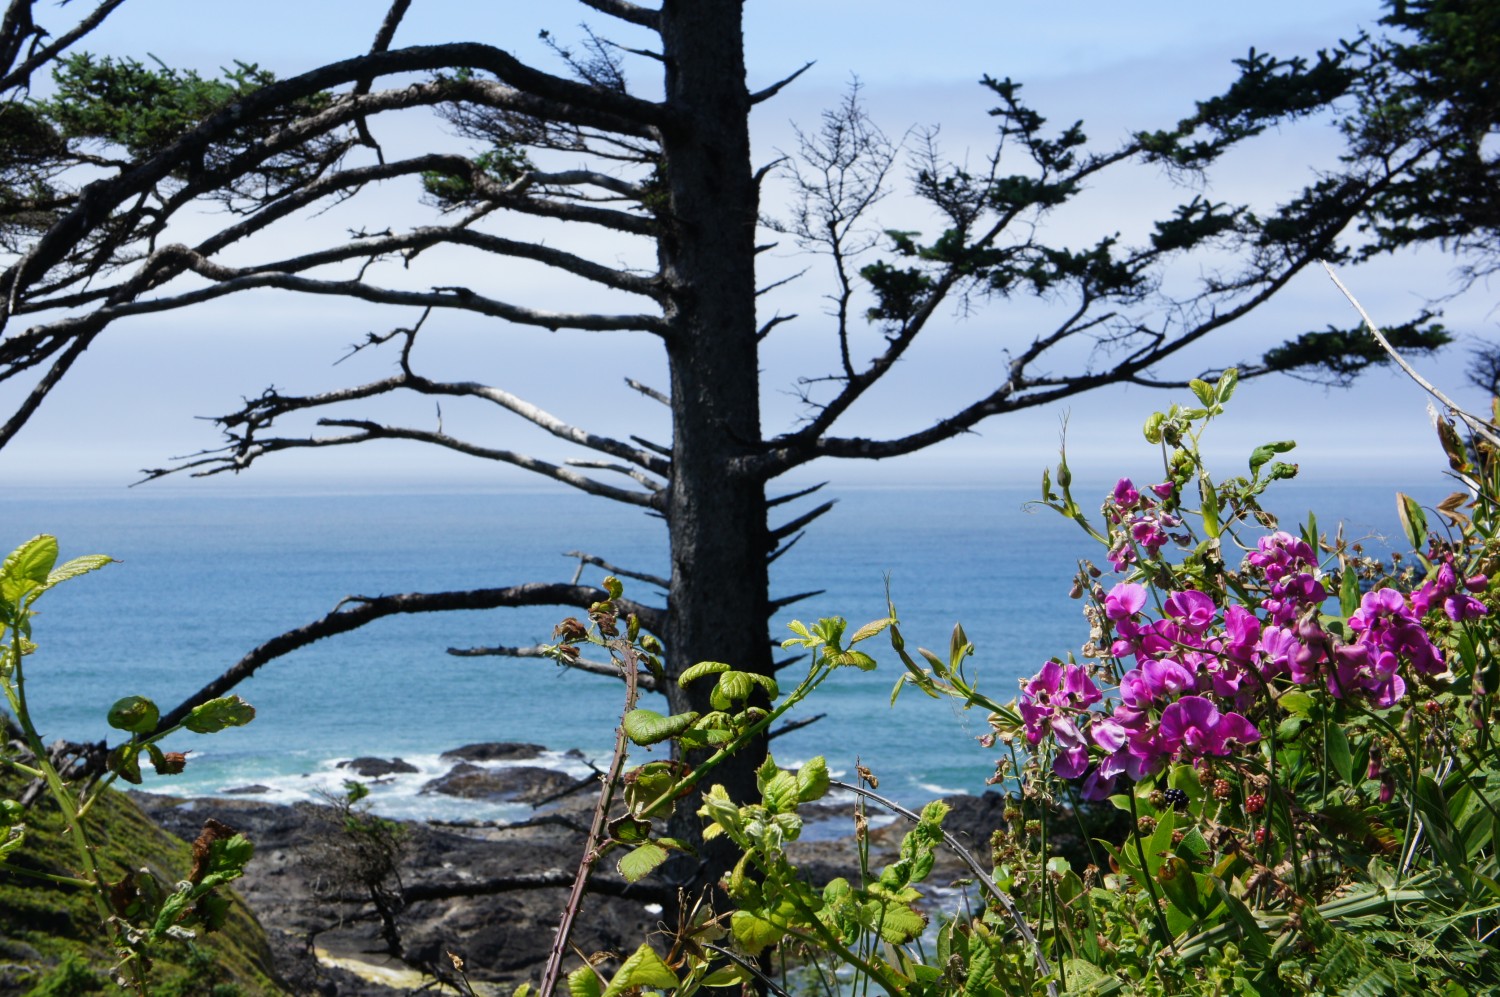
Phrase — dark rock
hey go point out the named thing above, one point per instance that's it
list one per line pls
(495, 751)
(521, 783)
(502, 936)
(374, 768)
(246, 790)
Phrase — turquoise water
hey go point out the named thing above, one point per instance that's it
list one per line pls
(207, 576)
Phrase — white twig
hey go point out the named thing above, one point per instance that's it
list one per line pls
(1474, 423)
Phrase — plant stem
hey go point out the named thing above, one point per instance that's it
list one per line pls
(625, 657)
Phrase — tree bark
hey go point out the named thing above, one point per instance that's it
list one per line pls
(718, 603)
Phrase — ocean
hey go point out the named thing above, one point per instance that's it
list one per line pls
(208, 575)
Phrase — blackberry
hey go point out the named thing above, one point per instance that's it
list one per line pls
(1222, 789)
(1175, 798)
(1254, 803)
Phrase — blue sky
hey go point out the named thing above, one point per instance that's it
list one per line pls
(131, 402)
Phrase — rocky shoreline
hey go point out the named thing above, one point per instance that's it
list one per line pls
(487, 892)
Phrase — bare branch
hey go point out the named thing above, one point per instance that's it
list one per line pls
(644, 678)
(792, 725)
(20, 76)
(793, 496)
(775, 88)
(649, 392)
(807, 517)
(246, 449)
(615, 569)
(777, 605)
(363, 609)
(635, 474)
(771, 323)
(626, 11)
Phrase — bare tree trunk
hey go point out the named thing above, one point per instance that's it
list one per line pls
(716, 503)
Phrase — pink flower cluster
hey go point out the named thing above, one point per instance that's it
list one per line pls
(1137, 521)
(1199, 669)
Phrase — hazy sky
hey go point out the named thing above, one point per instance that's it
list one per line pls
(131, 401)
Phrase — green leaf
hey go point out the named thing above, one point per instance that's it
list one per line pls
(125, 762)
(636, 864)
(812, 780)
(1262, 454)
(1152, 429)
(1210, 506)
(1349, 592)
(1337, 747)
(754, 933)
(1413, 521)
(733, 687)
(701, 669)
(1297, 702)
(613, 587)
(14, 837)
(32, 561)
(1228, 381)
(136, 714)
(1177, 882)
(871, 629)
(1203, 390)
(217, 714)
(649, 727)
(584, 982)
(644, 968)
(72, 569)
(858, 659)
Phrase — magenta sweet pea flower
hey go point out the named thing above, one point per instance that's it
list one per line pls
(1195, 726)
(1192, 610)
(1124, 600)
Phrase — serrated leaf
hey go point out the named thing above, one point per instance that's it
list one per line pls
(857, 659)
(701, 669)
(1228, 381)
(1413, 521)
(32, 561)
(636, 864)
(812, 780)
(1203, 391)
(584, 982)
(644, 968)
(217, 714)
(649, 727)
(733, 687)
(872, 629)
(73, 568)
(754, 933)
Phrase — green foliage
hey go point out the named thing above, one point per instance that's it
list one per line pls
(122, 902)
(137, 107)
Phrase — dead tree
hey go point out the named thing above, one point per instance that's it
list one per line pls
(670, 177)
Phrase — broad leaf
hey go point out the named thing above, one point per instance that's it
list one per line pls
(649, 727)
(636, 864)
(644, 968)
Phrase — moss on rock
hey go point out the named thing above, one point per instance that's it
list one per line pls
(51, 942)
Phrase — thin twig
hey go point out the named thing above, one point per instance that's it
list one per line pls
(980, 876)
(591, 847)
(1474, 423)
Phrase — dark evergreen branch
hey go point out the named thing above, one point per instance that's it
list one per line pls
(20, 76)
